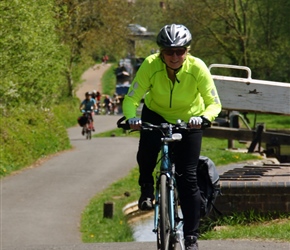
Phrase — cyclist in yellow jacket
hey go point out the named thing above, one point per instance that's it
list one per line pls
(175, 85)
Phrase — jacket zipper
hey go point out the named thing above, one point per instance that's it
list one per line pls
(171, 90)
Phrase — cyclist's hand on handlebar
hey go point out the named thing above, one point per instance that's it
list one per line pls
(135, 123)
(199, 122)
(195, 122)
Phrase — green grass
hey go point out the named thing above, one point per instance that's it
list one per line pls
(95, 228)
(109, 81)
(116, 132)
(274, 122)
(248, 225)
(29, 133)
(67, 112)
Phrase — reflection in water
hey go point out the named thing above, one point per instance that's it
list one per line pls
(143, 229)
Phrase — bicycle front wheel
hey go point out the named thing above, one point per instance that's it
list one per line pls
(164, 223)
(89, 134)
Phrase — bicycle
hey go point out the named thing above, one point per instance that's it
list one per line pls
(88, 127)
(99, 110)
(167, 222)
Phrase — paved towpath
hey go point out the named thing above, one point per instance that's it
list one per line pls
(92, 80)
(43, 205)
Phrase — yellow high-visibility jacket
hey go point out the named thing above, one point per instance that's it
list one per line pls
(192, 94)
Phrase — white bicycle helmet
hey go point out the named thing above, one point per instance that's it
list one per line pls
(174, 35)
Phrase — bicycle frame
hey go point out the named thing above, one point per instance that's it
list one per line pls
(89, 125)
(167, 168)
(88, 115)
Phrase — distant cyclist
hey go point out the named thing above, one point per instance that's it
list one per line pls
(107, 102)
(115, 103)
(94, 94)
(176, 85)
(88, 104)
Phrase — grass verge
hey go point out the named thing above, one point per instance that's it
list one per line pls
(28, 134)
(248, 225)
(109, 80)
(96, 228)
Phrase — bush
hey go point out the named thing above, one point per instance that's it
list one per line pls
(29, 133)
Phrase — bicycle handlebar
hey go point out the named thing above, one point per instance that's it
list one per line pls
(88, 111)
(125, 125)
(163, 126)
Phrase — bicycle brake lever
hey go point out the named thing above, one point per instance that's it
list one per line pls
(125, 126)
(205, 122)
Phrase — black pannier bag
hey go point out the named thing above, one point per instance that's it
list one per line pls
(82, 120)
(208, 183)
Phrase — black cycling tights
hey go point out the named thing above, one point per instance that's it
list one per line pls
(186, 154)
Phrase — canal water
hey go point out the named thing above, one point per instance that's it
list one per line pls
(143, 228)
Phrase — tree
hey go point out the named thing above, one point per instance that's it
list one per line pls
(271, 46)
(91, 28)
(253, 33)
(75, 20)
(31, 55)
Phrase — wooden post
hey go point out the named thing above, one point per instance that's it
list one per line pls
(108, 210)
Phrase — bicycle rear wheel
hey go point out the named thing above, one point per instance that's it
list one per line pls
(164, 223)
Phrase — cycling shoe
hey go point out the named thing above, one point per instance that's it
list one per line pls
(145, 203)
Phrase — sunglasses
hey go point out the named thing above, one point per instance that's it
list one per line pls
(178, 52)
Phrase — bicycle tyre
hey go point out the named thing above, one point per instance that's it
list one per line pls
(173, 242)
(89, 134)
(164, 216)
